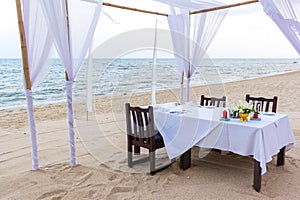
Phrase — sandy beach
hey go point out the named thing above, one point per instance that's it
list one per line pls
(102, 171)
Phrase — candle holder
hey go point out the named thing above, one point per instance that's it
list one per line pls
(244, 117)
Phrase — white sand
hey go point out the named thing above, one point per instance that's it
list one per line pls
(102, 171)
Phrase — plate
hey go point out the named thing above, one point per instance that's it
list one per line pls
(223, 119)
(268, 113)
(255, 119)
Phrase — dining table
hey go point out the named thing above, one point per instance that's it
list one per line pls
(185, 126)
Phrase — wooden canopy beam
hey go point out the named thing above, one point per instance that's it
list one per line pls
(223, 7)
(134, 9)
(191, 13)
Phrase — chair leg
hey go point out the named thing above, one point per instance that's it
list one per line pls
(129, 156)
(152, 162)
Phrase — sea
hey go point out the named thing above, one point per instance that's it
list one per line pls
(129, 75)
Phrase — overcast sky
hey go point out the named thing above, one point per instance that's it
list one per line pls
(245, 33)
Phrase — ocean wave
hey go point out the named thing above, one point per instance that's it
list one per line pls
(122, 76)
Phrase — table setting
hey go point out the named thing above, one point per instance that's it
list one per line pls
(185, 126)
(261, 135)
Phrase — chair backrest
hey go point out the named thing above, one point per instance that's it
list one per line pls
(262, 103)
(140, 124)
(213, 101)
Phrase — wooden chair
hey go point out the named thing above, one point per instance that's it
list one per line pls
(265, 104)
(212, 101)
(141, 133)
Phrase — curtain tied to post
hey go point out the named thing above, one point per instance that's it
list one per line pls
(190, 49)
(68, 89)
(72, 37)
(38, 42)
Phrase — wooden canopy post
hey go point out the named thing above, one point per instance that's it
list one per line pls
(69, 98)
(23, 45)
(68, 29)
(28, 92)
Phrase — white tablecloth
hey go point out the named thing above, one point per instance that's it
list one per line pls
(185, 126)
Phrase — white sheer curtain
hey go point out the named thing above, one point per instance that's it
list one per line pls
(286, 15)
(189, 50)
(72, 39)
(204, 28)
(89, 81)
(153, 88)
(179, 22)
(38, 44)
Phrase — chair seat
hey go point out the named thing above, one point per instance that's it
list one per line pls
(159, 142)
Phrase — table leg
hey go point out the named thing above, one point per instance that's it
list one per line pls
(257, 176)
(281, 156)
(185, 160)
(257, 169)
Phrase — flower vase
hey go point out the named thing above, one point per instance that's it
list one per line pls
(244, 117)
